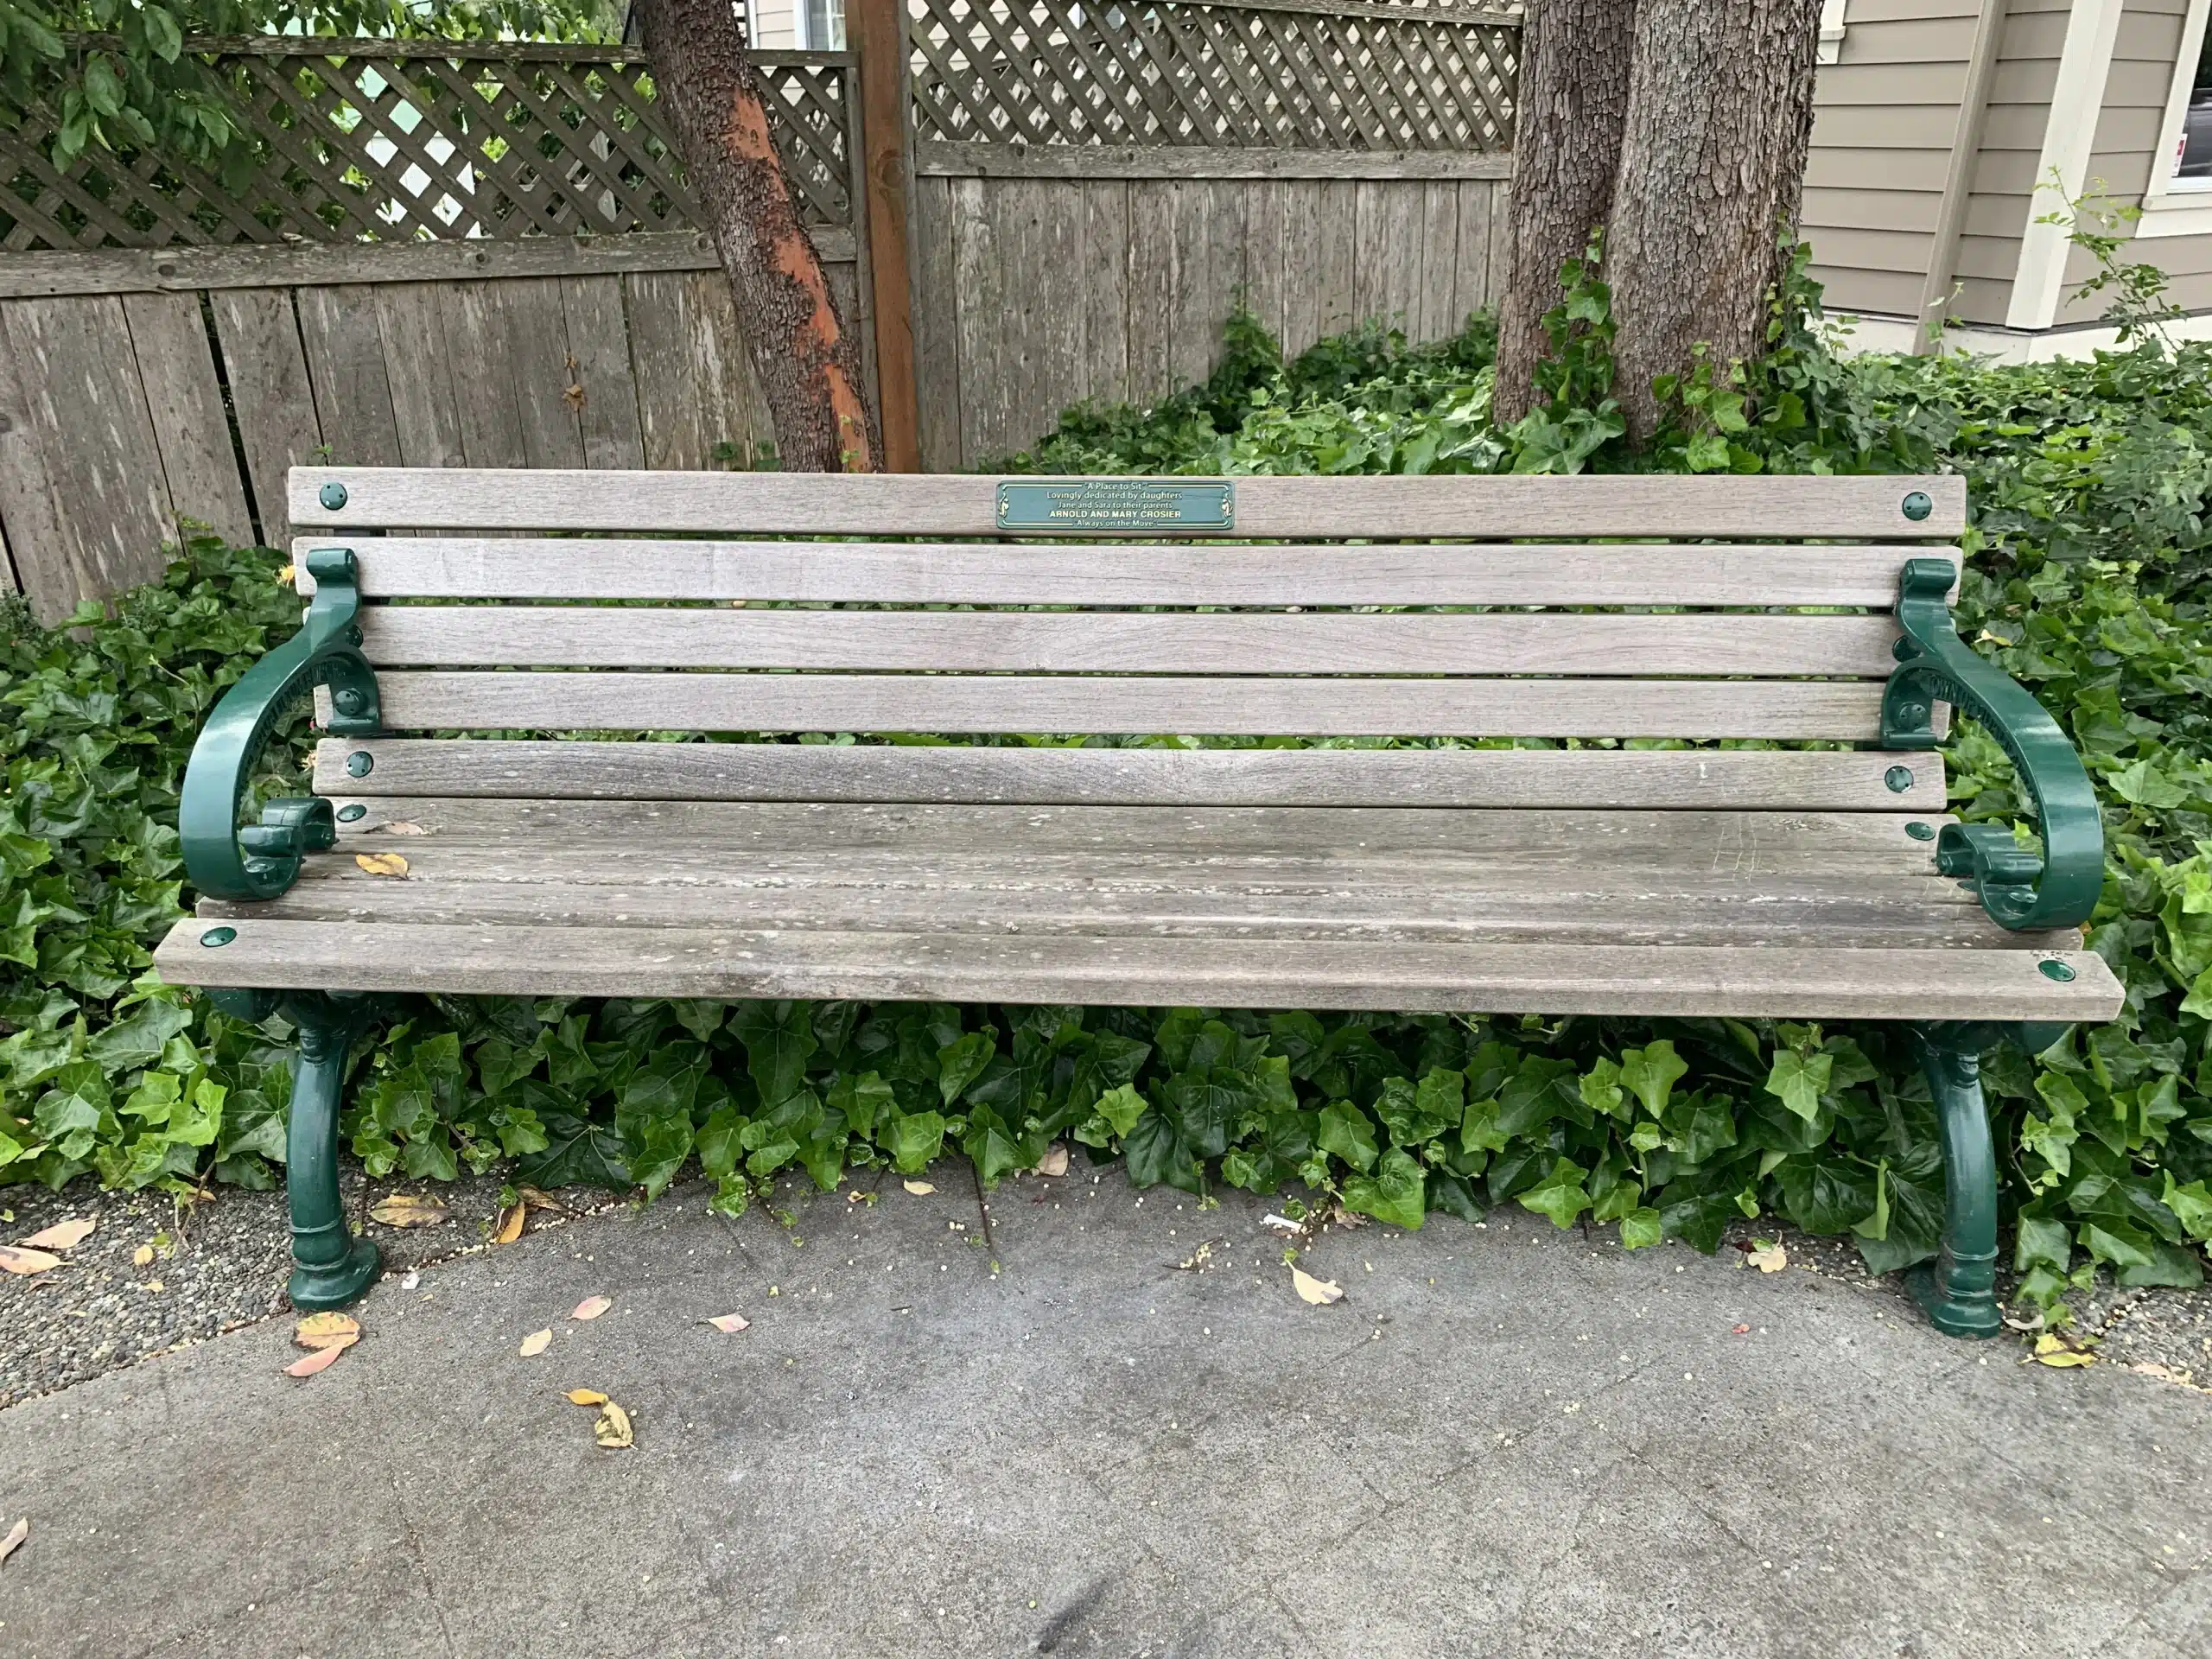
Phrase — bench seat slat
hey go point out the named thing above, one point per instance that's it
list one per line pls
(1719, 779)
(965, 504)
(617, 841)
(1061, 573)
(1665, 909)
(1749, 982)
(1226, 706)
(1122, 643)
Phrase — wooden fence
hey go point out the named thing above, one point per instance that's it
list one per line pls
(484, 255)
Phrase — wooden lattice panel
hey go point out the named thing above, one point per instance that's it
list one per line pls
(1328, 74)
(399, 141)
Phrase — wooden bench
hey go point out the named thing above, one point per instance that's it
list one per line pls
(1786, 883)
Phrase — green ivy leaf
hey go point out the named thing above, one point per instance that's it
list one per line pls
(1396, 1193)
(1560, 1195)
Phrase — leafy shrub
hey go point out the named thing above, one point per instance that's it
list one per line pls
(2086, 581)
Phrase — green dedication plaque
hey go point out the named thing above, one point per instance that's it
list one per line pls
(1117, 506)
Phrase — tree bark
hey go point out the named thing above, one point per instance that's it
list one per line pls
(1575, 58)
(807, 362)
(1713, 163)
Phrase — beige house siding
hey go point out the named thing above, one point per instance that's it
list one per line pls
(1884, 115)
(2001, 194)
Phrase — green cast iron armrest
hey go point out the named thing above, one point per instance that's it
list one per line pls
(260, 861)
(2019, 888)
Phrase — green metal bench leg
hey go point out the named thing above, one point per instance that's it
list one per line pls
(330, 1267)
(1959, 1289)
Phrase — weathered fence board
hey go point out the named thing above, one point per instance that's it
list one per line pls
(1032, 294)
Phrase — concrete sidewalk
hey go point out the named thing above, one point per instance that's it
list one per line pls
(1504, 1440)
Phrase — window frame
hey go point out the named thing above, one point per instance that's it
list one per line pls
(2166, 191)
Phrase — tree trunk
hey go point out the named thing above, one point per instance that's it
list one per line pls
(1574, 89)
(1713, 162)
(807, 363)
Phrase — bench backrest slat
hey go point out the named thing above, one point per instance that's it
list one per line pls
(1831, 509)
(1123, 642)
(1032, 573)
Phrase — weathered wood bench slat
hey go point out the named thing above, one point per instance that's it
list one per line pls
(1663, 909)
(1126, 643)
(1268, 508)
(1811, 982)
(1060, 574)
(1800, 780)
(1227, 705)
(650, 831)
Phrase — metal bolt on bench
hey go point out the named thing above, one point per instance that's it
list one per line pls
(1554, 877)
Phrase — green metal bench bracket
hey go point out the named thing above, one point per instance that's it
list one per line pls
(1958, 1290)
(330, 1267)
(261, 861)
(2020, 888)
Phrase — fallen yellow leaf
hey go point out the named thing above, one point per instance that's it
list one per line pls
(510, 1219)
(16, 1534)
(1055, 1160)
(2054, 1350)
(586, 1397)
(402, 826)
(920, 1189)
(405, 1210)
(535, 1344)
(612, 1431)
(1319, 1292)
(321, 1360)
(63, 1234)
(381, 863)
(142, 1257)
(322, 1330)
(730, 1324)
(286, 575)
(14, 1258)
(592, 1307)
(1772, 1260)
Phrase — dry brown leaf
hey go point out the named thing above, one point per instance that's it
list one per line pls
(63, 1234)
(402, 826)
(325, 1330)
(612, 1431)
(586, 1397)
(536, 1344)
(381, 863)
(1055, 1160)
(510, 1219)
(142, 1257)
(920, 1189)
(1773, 1259)
(14, 1258)
(1319, 1292)
(730, 1324)
(538, 1198)
(592, 1307)
(405, 1210)
(14, 1541)
(321, 1360)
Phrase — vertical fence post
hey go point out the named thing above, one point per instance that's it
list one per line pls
(878, 29)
